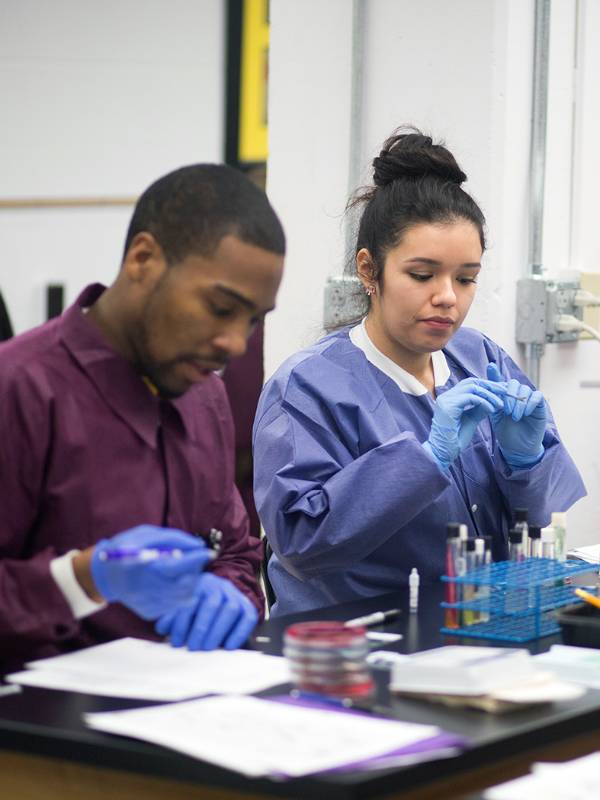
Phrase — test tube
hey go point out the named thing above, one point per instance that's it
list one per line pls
(482, 557)
(470, 616)
(515, 545)
(521, 525)
(451, 589)
(463, 535)
(548, 537)
(535, 541)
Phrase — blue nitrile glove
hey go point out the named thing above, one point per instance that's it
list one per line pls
(521, 424)
(457, 414)
(153, 587)
(221, 616)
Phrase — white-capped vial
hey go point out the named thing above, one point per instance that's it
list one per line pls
(413, 590)
(559, 523)
(548, 542)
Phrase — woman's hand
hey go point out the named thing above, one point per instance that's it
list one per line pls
(521, 424)
(457, 414)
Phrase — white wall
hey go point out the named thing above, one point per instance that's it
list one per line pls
(98, 99)
(461, 71)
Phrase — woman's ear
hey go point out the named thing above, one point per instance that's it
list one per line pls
(365, 269)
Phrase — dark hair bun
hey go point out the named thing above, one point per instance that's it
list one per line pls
(413, 156)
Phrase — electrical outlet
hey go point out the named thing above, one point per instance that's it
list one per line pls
(345, 301)
(590, 281)
(540, 301)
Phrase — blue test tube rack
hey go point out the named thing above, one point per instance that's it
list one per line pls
(513, 601)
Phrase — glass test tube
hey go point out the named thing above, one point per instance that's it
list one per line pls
(535, 541)
(453, 554)
(515, 545)
(548, 543)
(521, 524)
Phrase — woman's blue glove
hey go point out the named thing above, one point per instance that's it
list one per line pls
(220, 616)
(149, 586)
(521, 425)
(457, 414)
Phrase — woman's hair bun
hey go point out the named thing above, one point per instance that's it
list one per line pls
(413, 155)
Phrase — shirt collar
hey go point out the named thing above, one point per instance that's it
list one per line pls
(403, 379)
(122, 388)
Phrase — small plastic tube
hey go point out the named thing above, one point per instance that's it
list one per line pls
(535, 541)
(515, 545)
(413, 590)
(548, 537)
(559, 523)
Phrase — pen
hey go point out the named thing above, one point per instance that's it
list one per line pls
(589, 598)
(145, 554)
(348, 703)
(376, 618)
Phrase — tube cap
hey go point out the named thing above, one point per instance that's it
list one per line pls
(548, 534)
(452, 530)
(535, 532)
(515, 536)
(559, 519)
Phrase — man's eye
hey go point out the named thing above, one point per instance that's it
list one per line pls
(420, 276)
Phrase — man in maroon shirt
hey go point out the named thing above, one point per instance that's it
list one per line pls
(116, 439)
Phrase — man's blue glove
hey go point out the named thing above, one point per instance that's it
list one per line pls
(152, 582)
(220, 616)
(457, 414)
(521, 425)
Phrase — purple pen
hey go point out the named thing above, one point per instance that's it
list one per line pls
(142, 554)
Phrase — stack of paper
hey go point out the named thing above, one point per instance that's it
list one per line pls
(590, 553)
(573, 780)
(262, 737)
(492, 678)
(576, 664)
(144, 670)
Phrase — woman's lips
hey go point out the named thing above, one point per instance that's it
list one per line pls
(438, 323)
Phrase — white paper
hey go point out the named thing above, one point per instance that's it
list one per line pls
(572, 780)
(258, 737)
(466, 670)
(576, 664)
(589, 553)
(145, 670)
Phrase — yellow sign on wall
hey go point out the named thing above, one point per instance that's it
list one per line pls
(253, 131)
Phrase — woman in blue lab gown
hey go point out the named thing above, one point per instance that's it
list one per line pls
(368, 442)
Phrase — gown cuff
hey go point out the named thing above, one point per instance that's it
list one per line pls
(61, 569)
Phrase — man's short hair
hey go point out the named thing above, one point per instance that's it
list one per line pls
(191, 209)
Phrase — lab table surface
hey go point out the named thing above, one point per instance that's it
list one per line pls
(46, 748)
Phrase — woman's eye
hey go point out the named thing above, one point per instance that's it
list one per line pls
(221, 311)
(419, 276)
(467, 280)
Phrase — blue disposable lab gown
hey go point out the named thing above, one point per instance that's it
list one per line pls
(349, 499)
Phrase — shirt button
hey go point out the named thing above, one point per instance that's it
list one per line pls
(474, 507)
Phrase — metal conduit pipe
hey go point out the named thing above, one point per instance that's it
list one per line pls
(356, 114)
(537, 164)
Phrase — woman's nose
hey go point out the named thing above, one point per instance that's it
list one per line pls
(444, 294)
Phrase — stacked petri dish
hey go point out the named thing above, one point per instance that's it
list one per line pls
(328, 658)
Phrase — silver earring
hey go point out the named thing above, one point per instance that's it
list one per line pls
(370, 290)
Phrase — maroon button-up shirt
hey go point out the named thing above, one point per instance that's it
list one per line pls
(87, 451)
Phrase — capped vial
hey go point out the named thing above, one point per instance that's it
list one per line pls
(548, 542)
(413, 590)
(515, 545)
(559, 523)
(535, 541)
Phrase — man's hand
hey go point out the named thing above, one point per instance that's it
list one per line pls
(220, 616)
